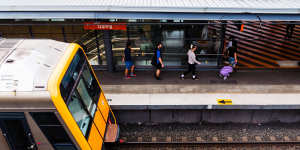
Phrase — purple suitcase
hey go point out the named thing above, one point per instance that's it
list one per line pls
(226, 70)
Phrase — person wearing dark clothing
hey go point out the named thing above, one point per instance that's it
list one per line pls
(230, 52)
(157, 61)
(128, 61)
(289, 30)
(232, 56)
(192, 61)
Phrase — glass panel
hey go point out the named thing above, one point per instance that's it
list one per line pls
(79, 113)
(176, 40)
(208, 41)
(141, 44)
(87, 77)
(173, 42)
(72, 74)
(91, 83)
(93, 45)
(87, 100)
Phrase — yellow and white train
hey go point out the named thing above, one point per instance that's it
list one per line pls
(50, 98)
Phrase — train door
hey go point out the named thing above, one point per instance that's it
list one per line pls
(16, 131)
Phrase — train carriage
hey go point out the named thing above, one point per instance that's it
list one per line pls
(50, 98)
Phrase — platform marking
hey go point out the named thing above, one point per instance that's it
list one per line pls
(224, 101)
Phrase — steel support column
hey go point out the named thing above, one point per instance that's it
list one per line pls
(98, 47)
(30, 31)
(128, 33)
(63, 33)
(220, 51)
(108, 50)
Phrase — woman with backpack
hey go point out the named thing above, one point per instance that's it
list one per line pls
(157, 62)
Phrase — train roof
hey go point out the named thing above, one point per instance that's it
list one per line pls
(26, 64)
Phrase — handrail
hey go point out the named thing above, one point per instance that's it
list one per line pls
(140, 53)
(144, 23)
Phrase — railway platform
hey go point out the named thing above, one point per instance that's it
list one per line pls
(247, 96)
(265, 89)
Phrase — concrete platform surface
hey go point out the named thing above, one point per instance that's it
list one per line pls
(203, 101)
(209, 82)
(246, 89)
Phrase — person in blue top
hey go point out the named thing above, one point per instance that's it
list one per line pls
(128, 61)
(157, 61)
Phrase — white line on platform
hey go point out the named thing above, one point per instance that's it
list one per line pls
(203, 99)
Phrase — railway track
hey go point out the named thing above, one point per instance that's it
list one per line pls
(206, 146)
(209, 136)
(215, 143)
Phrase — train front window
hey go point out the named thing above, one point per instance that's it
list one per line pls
(79, 113)
(71, 75)
(91, 83)
(80, 90)
(85, 96)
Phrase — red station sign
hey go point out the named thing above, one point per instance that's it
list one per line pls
(104, 26)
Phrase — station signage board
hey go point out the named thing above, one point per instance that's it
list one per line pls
(104, 26)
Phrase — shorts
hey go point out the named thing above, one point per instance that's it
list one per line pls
(128, 64)
(232, 61)
(158, 66)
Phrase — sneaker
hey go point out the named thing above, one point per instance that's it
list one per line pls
(128, 77)
(225, 78)
(195, 77)
(182, 77)
(133, 75)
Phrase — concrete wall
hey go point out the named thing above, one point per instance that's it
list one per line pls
(212, 116)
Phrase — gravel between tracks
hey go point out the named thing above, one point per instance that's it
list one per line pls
(207, 131)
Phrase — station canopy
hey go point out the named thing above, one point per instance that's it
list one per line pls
(267, 10)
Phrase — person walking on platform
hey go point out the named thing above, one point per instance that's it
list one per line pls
(191, 63)
(157, 62)
(128, 61)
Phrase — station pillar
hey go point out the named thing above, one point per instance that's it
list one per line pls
(220, 50)
(98, 47)
(108, 50)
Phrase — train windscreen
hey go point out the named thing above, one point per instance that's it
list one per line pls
(81, 92)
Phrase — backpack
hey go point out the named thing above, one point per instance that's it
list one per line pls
(154, 59)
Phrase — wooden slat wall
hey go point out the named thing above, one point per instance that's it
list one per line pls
(262, 47)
